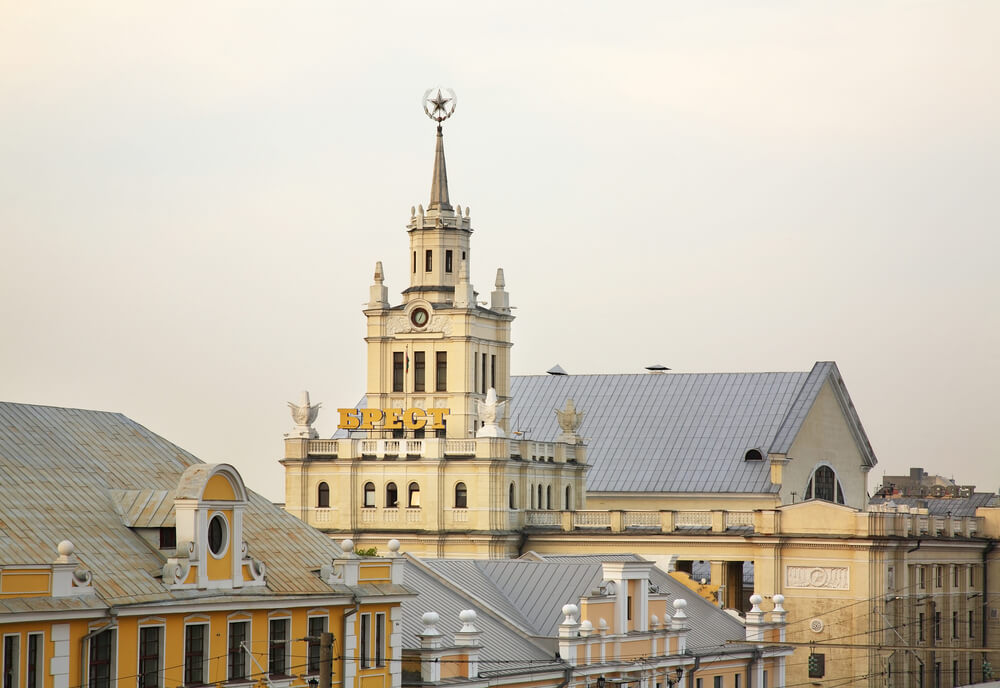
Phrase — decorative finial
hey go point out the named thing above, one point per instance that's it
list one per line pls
(378, 272)
(490, 412)
(439, 103)
(304, 414)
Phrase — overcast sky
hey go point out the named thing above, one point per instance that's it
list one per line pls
(193, 196)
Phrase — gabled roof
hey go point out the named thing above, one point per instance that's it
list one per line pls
(87, 476)
(680, 432)
(529, 594)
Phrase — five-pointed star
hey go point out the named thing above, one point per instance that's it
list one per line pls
(439, 102)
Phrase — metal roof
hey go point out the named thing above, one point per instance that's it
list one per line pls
(536, 588)
(680, 432)
(86, 476)
(942, 506)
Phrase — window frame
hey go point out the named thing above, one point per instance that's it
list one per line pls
(238, 652)
(398, 371)
(203, 654)
(419, 371)
(112, 646)
(441, 371)
(448, 260)
(461, 496)
(157, 631)
(512, 497)
(429, 260)
(391, 502)
(313, 647)
(36, 643)
(364, 640)
(280, 649)
(413, 489)
(323, 495)
(368, 495)
(378, 639)
(10, 667)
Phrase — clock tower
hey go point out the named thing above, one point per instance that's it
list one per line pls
(440, 347)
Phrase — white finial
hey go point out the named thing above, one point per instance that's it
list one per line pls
(393, 545)
(65, 549)
(458, 209)
(430, 621)
(586, 628)
(466, 212)
(755, 600)
(570, 611)
(779, 600)
(467, 617)
(654, 621)
(347, 545)
(500, 283)
(413, 212)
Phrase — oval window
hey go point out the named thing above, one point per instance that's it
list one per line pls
(218, 535)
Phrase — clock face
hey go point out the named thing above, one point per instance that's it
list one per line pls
(418, 317)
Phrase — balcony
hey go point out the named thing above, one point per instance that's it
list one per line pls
(435, 448)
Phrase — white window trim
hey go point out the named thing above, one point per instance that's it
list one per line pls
(836, 483)
(376, 641)
(97, 630)
(286, 617)
(17, 657)
(228, 534)
(239, 617)
(40, 662)
(365, 659)
(326, 625)
(205, 644)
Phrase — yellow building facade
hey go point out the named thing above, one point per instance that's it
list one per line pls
(126, 561)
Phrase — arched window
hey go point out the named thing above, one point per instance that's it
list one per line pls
(369, 495)
(323, 496)
(548, 496)
(569, 498)
(823, 484)
(540, 502)
(531, 496)
(413, 496)
(511, 498)
(391, 496)
(461, 496)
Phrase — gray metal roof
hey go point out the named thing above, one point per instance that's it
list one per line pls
(508, 644)
(680, 432)
(86, 476)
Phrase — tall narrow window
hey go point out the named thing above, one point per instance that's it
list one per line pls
(531, 497)
(391, 496)
(418, 371)
(397, 371)
(365, 640)
(511, 501)
(277, 656)
(11, 660)
(317, 627)
(937, 625)
(567, 504)
(323, 496)
(441, 379)
(954, 624)
(413, 496)
(972, 625)
(34, 660)
(369, 501)
(475, 371)
(824, 483)
(548, 496)
(540, 498)
(428, 260)
(920, 626)
(239, 632)
(447, 260)
(493, 370)
(380, 637)
(483, 378)
(414, 262)
(149, 658)
(194, 654)
(461, 496)
(100, 659)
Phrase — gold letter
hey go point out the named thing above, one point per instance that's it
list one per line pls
(437, 418)
(369, 417)
(413, 419)
(392, 419)
(348, 421)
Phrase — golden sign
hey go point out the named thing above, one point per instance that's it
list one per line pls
(392, 419)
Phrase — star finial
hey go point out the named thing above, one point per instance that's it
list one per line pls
(441, 105)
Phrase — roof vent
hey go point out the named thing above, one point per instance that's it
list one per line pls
(657, 368)
(753, 455)
(556, 370)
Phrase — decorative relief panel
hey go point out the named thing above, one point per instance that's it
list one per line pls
(823, 577)
(400, 324)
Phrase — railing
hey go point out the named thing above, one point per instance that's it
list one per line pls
(414, 516)
(542, 518)
(739, 519)
(693, 519)
(591, 519)
(456, 516)
(321, 515)
(642, 519)
(368, 515)
(390, 515)
(323, 447)
(460, 447)
(414, 447)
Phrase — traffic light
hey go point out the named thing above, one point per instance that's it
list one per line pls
(817, 665)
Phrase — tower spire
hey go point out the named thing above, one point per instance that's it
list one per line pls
(439, 183)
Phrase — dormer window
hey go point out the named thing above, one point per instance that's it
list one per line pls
(218, 535)
(753, 455)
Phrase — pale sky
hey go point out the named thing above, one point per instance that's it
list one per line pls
(193, 196)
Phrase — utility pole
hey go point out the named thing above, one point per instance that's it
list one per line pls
(326, 660)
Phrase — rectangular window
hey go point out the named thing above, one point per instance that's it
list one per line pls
(35, 660)
(937, 625)
(972, 578)
(414, 262)
(441, 381)
(194, 654)
(716, 682)
(920, 626)
(493, 370)
(954, 624)
(954, 672)
(628, 608)
(484, 374)
(938, 576)
(428, 260)
(737, 683)
(168, 538)
(697, 683)
(149, 657)
(971, 665)
(418, 371)
(397, 371)
(475, 372)
(364, 641)
(972, 625)
(239, 633)
(317, 627)
(380, 639)
(763, 683)
(447, 260)
(100, 659)
(11, 660)
(921, 583)
(954, 576)
(277, 647)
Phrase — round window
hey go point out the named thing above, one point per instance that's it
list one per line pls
(218, 535)
(418, 317)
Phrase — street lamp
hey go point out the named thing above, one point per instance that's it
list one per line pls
(679, 672)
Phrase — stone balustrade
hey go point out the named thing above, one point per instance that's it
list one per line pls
(436, 448)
